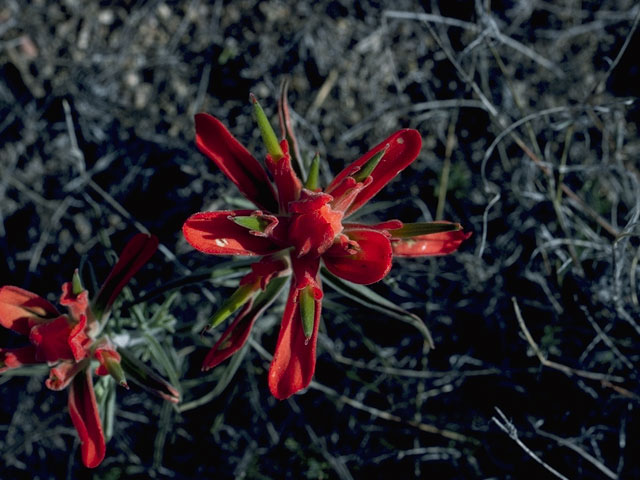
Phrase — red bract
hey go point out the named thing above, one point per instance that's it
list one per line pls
(303, 227)
(85, 417)
(67, 342)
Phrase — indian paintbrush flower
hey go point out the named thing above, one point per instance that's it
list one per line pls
(69, 342)
(297, 227)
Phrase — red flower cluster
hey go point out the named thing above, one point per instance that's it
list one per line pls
(68, 342)
(296, 230)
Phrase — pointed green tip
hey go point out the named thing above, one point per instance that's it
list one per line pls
(76, 283)
(312, 182)
(116, 371)
(370, 165)
(268, 135)
(307, 311)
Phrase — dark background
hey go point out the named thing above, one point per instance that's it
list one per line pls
(538, 102)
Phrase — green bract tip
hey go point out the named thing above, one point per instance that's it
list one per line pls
(314, 171)
(268, 135)
(76, 283)
(116, 371)
(369, 165)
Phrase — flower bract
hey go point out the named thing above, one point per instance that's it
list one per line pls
(296, 227)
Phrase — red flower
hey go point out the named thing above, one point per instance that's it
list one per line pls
(66, 341)
(299, 228)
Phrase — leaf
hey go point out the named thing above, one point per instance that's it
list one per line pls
(143, 376)
(370, 299)
(261, 303)
(105, 390)
(158, 354)
(158, 317)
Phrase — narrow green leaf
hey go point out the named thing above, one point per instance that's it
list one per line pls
(165, 425)
(105, 391)
(268, 135)
(370, 299)
(158, 317)
(425, 228)
(143, 376)
(158, 353)
(38, 369)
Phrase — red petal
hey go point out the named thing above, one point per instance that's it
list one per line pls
(214, 233)
(110, 363)
(309, 202)
(16, 357)
(61, 375)
(51, 340)
(429, 245)
(288, 183)
(232, 339)
(135, 254)
(404, 146)
(77, 304)
(104, 355)
(369, 264)
(20, 310)
(294, 360)
(85, 417)
(314, 232)
(216, 142)
(79, 342)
